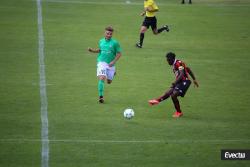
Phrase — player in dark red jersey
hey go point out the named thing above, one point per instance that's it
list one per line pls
(179, 86)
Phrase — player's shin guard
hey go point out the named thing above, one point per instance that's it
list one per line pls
(100, 87)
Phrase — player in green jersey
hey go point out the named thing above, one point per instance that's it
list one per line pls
(109, 52)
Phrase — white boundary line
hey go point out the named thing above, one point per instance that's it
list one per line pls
(44, 104)
(136, 3)
(93, 2)
(172, 141)
(43, 92)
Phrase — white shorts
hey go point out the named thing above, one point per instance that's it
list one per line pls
(104, 69)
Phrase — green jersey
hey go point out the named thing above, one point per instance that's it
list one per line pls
(108, 50)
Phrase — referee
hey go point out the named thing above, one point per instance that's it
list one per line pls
(150, 9)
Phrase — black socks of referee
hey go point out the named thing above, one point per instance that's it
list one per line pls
(161, 29)
(158, 31)
(141, 38)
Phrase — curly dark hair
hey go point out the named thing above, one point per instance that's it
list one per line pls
(170, 55)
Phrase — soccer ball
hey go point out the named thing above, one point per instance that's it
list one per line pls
(128, 113)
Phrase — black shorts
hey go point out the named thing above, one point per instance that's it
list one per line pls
(150, 22)
(182, 87)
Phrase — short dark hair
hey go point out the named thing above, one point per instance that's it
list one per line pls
(170, 55)
(109, 28)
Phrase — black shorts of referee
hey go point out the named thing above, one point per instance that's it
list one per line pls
(150, 22)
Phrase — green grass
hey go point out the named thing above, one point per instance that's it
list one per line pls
(212, 36)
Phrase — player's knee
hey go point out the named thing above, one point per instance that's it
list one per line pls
(143, 29)
(155, 32)
(174, 95)
(101, 77)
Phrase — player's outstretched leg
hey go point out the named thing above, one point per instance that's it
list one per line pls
(153, 102)
(161, 98)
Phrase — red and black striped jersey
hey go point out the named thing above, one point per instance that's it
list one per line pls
(179, 65)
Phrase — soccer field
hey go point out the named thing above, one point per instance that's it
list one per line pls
(55, 82)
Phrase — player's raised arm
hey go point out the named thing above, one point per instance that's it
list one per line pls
(93, 50)
(143, 13)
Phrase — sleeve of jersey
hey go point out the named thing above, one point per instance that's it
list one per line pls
(155, 6)
(118, 47)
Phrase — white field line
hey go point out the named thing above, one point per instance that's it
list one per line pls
(172, 141)
(43, 92)
(94, 3)
(141, 4)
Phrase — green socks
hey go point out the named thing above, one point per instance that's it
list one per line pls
(100, 87)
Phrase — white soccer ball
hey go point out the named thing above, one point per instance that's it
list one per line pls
(128, 113)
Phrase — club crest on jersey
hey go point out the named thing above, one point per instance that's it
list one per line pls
(181, 68)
